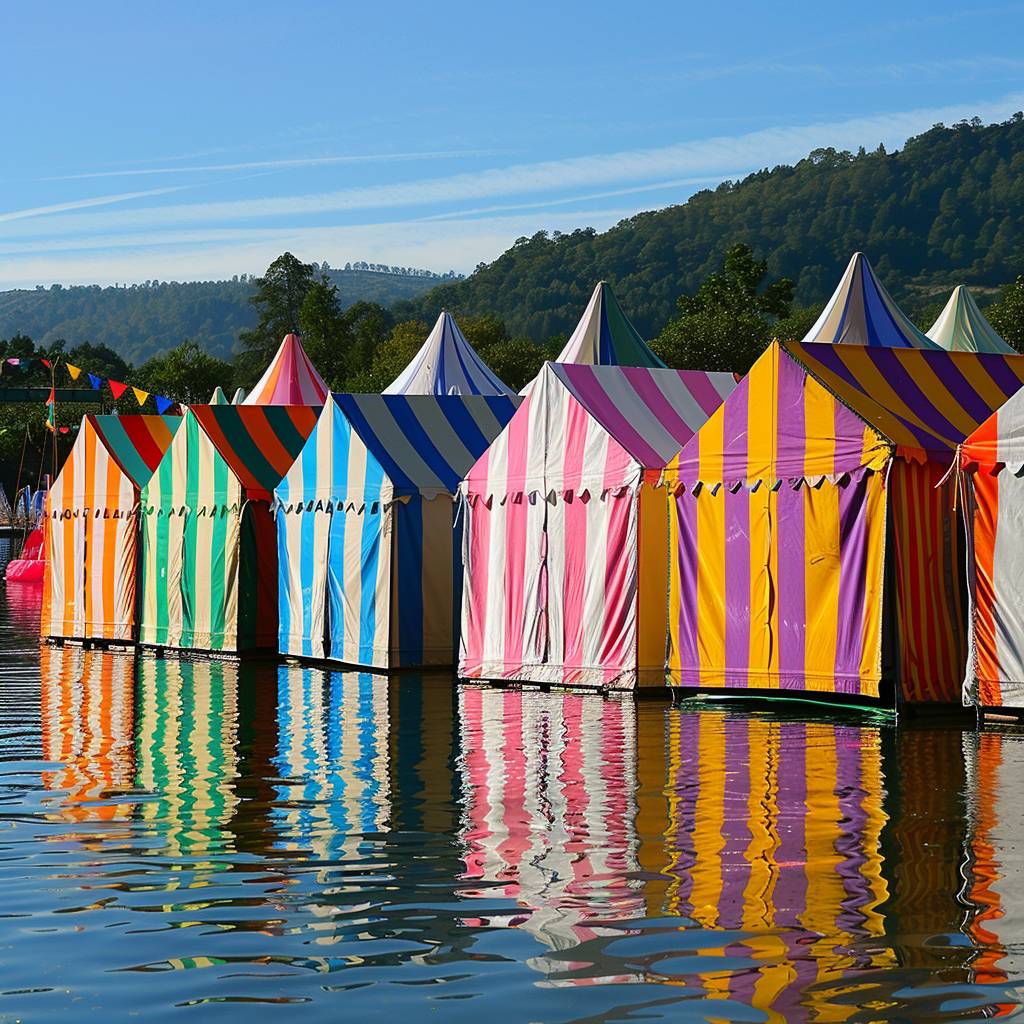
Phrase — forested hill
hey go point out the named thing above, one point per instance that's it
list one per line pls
(947, 208)
(140, 321)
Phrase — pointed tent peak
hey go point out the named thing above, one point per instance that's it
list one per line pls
(605, 336)
(861, 312)
(218, 397)
(290, 379)
(239, 396)
(962, 327)
(447, 364)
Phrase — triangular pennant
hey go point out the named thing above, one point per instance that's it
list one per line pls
(14, 362)
(140, 395)
(52, 398)
(117, 389)
(162, 404)
(96, 382)
(75, 371)
(65, 430)
(46, 363)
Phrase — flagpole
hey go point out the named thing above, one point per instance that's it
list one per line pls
(53, 391)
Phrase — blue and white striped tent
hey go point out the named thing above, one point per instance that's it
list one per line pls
(862, 312)
(369, 557)
(447, 364)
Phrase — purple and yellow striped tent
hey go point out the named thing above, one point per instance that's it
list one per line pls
(814, 544)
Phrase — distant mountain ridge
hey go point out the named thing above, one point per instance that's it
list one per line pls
(946, 209)
(139, 321)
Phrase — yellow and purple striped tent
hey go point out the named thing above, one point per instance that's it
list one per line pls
(818, 551)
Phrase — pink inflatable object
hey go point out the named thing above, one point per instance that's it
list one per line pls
(28, 568)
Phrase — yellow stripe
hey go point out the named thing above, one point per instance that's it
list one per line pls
(919, 366)
(819, 429)
(874, 570)
(821, 583)
(708, 843)
(762, 634)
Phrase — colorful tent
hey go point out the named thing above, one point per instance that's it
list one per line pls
(818, 550)
(209, 558)
(962, 327)
(92, 531)
(218, 397)
(364, 527)
(447, 365)
(290, 379)
(992, 464)
(562, 514)
(605, 337)
(861, 312)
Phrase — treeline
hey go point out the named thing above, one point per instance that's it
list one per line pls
(948, 208)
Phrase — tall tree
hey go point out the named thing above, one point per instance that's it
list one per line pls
(326, 336)
(278, 299)
(728, 322)
(186, 374)
(1007, 315)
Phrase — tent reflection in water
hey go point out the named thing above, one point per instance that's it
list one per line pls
(92, 560)
(369, 559)
(814, 544)
(564, 549)
(209, 566)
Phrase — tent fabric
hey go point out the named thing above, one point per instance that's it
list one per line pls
(290, 379)
(562, 512)
(447, 364)
(604, 336)
(861, 312)
(992, 465)
(962, 327)
(89, 581)
(367, 540)
(781, 576)
(209, 558)
(218, 397)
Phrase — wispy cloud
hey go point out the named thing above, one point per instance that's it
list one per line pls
(81, 204)
(297, 162)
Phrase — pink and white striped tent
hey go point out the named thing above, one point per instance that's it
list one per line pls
(561, 513)
(290, 379)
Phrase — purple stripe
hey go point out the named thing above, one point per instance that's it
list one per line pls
(736, 834)
(734, 430)
(852, 557)
(593, 396)
(791, 856)
(682, 850)
(686, 539)
(850, 844)
(737, 587)
(999, 368)
(704, 392)
(946, 367)
(792, 581)
(652, 396)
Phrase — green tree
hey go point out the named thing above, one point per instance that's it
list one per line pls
(369, 326)
(325, 334)
(518, 360)
(391, 357)
(186, 374)
(1007, 315)
(729, 321)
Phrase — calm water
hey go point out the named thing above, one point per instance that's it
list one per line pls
(179, 838)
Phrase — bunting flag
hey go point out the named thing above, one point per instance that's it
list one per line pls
(46, 363)
(96, 382)
(14, 362)
(162, 404)
(117, 389)
(75, 371)
(51, 418)
(140, 395)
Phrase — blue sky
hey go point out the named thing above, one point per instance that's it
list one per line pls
(193, 141)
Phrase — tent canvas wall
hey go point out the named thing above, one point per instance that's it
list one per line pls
(209, 558)
(89, 582)
(819, 552)
(565, 566)
(290, 379)
(992, 465)
(447, 364)
(368, 555)
(962, 327)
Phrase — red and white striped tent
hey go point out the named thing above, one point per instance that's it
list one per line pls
(562, 511)
(290, 379)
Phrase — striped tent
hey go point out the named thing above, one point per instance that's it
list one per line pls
(962, 327)
(89, 582)
(218, 397)
(447, 365)
(774, 844)
(992, 477)
(368, 557)
(290, 379)
(561, 513)
(209, 558)
(861, 312)
(605, 337)
(819, 551)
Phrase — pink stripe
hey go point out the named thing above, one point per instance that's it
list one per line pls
(618, 627)
(577, 806)
(699, 385)
(574, 515)
(652, 396)
(516, 510)
(476, 581)
(514, 813)
(476, 769)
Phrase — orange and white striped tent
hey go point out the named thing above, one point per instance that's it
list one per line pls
(91, 533)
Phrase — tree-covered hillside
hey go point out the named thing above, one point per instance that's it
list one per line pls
(143, 320)
(947, 208)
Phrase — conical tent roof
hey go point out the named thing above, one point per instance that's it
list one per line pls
(218, 397)
(862, 312)
(604, 335)
(239, 396)
(962, 327)
(291, 379)
(447, 364)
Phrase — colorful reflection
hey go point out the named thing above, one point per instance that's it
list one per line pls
(549, 786)
(773, 840)
(87, 701)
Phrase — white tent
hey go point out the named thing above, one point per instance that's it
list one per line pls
(962, 327)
